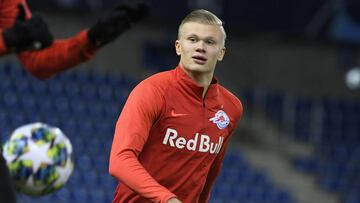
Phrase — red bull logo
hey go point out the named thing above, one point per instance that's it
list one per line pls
(200, 142)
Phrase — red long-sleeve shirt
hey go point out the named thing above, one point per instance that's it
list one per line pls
(169, 141)
(61, 55)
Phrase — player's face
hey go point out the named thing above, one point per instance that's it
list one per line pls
(200, 46)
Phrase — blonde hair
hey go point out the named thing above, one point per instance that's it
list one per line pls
(202, 16)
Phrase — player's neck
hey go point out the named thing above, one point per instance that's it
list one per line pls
(202, 79)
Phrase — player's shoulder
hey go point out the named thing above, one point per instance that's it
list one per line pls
(160, 77)
(231, 98)
(158, 81)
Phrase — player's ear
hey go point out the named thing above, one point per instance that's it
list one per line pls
(177, 47)
(222, 53)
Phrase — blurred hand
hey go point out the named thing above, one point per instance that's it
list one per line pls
(32, 34)
(173, 200)
(117, 21)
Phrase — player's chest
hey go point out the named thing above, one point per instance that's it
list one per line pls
(194, 125)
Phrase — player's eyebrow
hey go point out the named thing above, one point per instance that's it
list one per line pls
(204, 38)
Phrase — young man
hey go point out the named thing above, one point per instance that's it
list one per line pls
(30, 38)
(20, 32)
(173, 131)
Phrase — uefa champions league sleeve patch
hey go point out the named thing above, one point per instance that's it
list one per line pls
(221, 119)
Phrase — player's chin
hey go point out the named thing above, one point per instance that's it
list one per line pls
(199, 67)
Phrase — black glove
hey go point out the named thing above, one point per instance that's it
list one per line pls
(27, 34)
(116, 22)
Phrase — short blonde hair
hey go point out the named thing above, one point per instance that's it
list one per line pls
(202, 16)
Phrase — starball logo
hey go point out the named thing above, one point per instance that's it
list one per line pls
(200, 142)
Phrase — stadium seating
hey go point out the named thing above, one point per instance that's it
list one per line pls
(332, 126)
(241, 183)
(85, 105)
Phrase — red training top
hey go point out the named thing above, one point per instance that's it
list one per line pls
(60, 56)
(169, 141)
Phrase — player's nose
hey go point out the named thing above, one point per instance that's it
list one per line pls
(200, 46)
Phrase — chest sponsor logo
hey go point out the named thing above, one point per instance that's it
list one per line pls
(201, 143)
(221, 119)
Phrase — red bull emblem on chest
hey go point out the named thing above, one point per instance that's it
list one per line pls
(221, 119)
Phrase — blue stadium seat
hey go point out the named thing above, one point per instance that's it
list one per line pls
(14, 70)
(274, 105)
(309, 165)
(56, 89)
(77, 106)
(113, 81)
(93, 146)
(108, 183)
(102, 162)
(121, 94)
(283, 197)
(72, 90)
(90, 178)
(62, 105)
(27, 101)
(37, 87)
(88, 92)
(17, 119)
(105, 92)
(80, 195)
(303, 114)
(83, 77)
(45, 106)
(5, 83)
(98, 78)
(22, 86)
(352, 198)
(85, 128)
(10, 99)
(95, 109)
(98, 195)
(223, 190)
(84, 162)
(63, 195)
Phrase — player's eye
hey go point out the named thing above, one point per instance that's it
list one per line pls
(210, 42)
(192, 39)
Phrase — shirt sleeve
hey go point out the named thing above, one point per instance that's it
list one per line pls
(132, 130)
(60, 56)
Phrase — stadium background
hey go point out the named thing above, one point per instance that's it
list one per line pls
(286, 60)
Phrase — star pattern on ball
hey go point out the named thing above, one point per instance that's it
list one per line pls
(38, 151)
(9, 157)
(67, 170)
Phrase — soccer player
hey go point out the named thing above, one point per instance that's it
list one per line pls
(29, 37)
(20, 32)
(173, 131)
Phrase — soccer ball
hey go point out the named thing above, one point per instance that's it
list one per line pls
(39, 158)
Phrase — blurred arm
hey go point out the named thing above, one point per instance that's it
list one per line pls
(8, 13)
(60, 56)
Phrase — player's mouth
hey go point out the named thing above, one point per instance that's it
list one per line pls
(199, 60)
